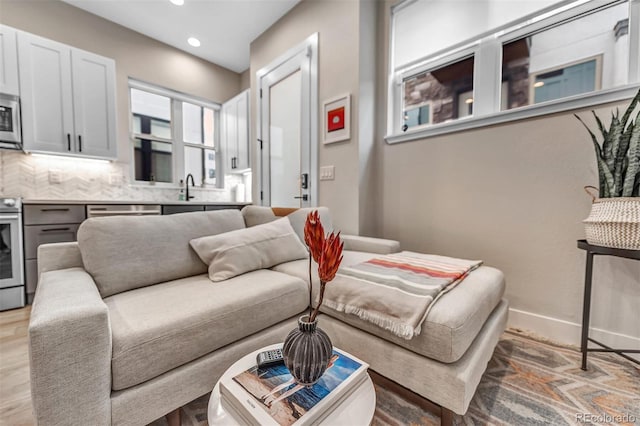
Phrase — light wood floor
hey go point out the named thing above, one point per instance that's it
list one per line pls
(15, 396)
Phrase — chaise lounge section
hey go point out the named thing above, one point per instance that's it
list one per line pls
(126, 325)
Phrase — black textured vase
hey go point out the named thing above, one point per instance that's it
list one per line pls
(307, 351)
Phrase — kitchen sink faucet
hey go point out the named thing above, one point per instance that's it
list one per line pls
(186, 183)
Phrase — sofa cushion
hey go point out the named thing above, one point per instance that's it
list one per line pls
(158, 328)
(244, 250)
(369, 244)
(124, 253)
(256, 215)
(453, 322)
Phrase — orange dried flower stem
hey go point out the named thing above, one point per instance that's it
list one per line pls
(317, 309)
(310, 287)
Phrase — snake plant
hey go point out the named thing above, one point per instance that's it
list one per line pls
(618, 155)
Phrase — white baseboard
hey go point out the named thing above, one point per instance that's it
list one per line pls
(566, 332)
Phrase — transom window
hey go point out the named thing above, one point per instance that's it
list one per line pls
(525, 57)
(173, 135)
(439, 95)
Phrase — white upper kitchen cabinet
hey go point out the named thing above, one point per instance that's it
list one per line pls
(235, 133)
(94, 104)
(47, 101)
(8, 62)
(68, 99)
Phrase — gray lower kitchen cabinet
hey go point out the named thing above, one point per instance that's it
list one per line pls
(185, 208)
(44, 214)
(43, 224)
(36, 235)
(182, 208)
(219, 207)
(31, 275)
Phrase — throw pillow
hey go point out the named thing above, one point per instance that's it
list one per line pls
(244, 250)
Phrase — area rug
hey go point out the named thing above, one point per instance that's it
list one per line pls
(527, 382)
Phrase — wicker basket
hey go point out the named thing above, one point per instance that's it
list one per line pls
(614, 222)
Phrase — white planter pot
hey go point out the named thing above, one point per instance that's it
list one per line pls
(614, 222)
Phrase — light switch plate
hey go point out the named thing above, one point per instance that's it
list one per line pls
(327, 173)
(115, 179)
(55, 176)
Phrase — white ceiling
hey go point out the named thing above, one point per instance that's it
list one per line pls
(224, 27)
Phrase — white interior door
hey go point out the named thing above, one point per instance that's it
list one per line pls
(288, 128)
(285, 139)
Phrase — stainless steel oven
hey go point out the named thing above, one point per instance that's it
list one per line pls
(10, 130)
(11, 265)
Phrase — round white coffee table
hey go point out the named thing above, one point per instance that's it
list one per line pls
(356, 409)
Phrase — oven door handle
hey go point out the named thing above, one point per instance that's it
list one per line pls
(3, 217)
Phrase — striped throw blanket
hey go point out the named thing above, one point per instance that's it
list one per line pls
(396, 291)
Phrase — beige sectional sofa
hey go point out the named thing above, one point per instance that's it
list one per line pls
(126, 325)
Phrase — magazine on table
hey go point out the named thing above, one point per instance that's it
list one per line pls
(270, 396)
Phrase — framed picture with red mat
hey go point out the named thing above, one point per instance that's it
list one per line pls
(336, 124)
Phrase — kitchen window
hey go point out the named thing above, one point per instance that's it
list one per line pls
(198, 135)
(506, 61)
(173, 135)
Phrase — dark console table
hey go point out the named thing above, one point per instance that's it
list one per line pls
(586, 307)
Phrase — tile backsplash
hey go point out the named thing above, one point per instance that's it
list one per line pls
(65, 178)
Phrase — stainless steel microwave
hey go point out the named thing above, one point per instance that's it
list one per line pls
(10, 131)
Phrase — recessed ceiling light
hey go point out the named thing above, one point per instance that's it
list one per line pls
(538, 84)
(177, 2)
(194, 42)
(468, 101)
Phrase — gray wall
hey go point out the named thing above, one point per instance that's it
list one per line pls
(245, 79)
(367, 184)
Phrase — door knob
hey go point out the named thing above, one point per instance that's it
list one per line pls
(304, 197)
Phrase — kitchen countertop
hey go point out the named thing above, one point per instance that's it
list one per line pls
(120, 202)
